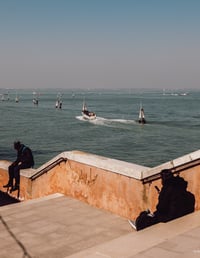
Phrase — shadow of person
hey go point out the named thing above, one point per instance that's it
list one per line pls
(174, 201)
(6, 199)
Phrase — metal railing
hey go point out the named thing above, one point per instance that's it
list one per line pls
(47, 168)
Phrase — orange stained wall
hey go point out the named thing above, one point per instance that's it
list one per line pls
(102, 189)
(119, 194)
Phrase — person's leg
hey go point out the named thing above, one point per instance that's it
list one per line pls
(17, 178)
(11, 176)
(17, 175)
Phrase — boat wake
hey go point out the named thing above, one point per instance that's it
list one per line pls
(108, 122)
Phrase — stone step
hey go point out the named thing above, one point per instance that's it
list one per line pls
(160, 237)
(4, 197)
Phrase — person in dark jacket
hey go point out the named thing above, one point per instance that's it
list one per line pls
(24, 160)
(174, 201)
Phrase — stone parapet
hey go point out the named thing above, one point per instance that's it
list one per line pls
(119, 187)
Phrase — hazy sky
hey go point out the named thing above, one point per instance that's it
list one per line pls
(100, 44)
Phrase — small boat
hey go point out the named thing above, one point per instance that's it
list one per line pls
(184, 94)
(2, 97)
(35, 98)
(5, 96)
(88, 115)
(35, 101)
(58, 101)
(16, 98)
(58, 104)
(141, 119)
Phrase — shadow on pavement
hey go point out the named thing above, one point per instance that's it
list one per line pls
(6, 199)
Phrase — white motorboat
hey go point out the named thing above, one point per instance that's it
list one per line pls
(87, 114)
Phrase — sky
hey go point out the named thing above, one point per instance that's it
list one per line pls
(93, 44)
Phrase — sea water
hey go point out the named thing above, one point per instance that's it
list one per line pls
(172, 128)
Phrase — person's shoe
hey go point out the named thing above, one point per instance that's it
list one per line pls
(8, 185)
(150, 215)
(133, 224)
(14, 188)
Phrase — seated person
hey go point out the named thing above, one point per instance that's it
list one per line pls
(174, 201)
(24, 160)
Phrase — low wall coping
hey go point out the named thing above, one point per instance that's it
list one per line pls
(4, 164)
(113, 165)
(28, 172)
(126, 168)
(172, 164)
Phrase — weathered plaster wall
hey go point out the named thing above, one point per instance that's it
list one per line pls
(115, 192)
(99, 188)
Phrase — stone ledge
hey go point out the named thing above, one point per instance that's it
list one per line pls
(28, 172)
(172, 164)
(122, 167)
(4, 164)
(112, 165)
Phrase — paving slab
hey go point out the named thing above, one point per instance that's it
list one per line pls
(172, 239)
(57, 226)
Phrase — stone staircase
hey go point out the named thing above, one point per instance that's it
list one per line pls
(57, 226)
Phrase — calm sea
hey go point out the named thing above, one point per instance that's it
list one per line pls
(172, 129)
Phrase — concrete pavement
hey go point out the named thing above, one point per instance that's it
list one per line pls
(57, 226)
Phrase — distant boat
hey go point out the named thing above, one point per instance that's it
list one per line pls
(184, 94)
(5, 96)
(141, 119)
(35, 98)
(35, 101)
(58, 101)
(88, 115)
(73, 95)
(16, 98)
(2, 97)
(58, 104)
(174, 94)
